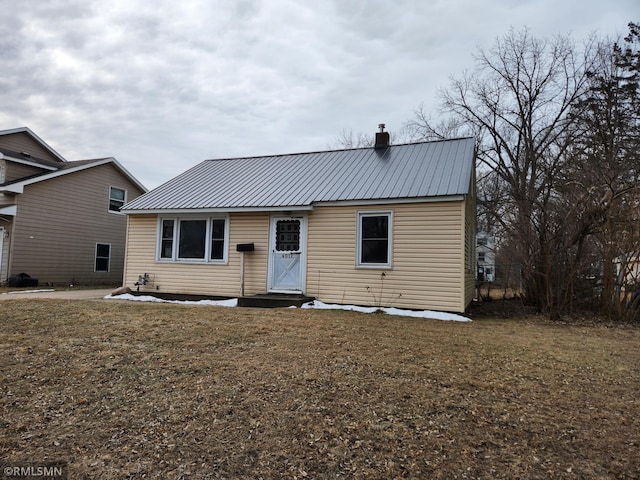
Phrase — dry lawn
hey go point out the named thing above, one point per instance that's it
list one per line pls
(128, 391)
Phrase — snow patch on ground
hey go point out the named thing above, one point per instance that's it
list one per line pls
(28, 291)
(315, 304)
(389, 311)
(232, 302)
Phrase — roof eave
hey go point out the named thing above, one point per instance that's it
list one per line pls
(18, 186)
(183, 211)
(28, 131)
(27, 162)
(294, 208)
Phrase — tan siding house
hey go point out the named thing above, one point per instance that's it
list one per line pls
(58, 220)
(392, 226)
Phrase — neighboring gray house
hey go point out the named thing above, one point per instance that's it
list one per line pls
(387, 225)
(60, 221)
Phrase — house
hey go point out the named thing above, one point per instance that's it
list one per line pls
(390, 225)
(60, 221)
(486, 257)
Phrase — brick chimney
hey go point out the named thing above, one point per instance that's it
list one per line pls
(382, 138)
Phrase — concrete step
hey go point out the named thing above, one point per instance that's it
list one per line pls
(274, 300)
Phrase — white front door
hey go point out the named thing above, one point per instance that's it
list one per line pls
(287, 259)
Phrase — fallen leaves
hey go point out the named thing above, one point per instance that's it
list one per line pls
(166, 391)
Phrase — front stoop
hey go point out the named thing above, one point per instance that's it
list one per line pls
(274, 300)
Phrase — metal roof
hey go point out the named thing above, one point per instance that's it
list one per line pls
(416, 170)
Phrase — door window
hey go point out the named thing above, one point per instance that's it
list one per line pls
(288, 235)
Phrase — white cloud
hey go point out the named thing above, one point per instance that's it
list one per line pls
(163, 85)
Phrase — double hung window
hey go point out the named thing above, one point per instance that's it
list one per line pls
(374, 239)
(103, 257)
(117, 198)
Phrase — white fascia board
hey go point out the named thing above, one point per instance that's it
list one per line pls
(59, 173)
(10, 210)
(184, 211)
(13, 188)
(128, 175)
(36, 137)
(390, 201)
(27, 162)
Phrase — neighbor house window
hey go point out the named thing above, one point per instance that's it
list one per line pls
(193, 239)
(103, 257)
(374, 239)
(117, 198)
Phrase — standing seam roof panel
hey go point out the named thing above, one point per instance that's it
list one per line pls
(401, 171)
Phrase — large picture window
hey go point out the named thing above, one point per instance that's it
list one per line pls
(374, 239)
(193, 239)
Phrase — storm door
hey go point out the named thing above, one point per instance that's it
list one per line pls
(287, 254)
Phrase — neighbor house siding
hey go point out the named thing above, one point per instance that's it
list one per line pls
(200, 278)
(426, 258)
(60, 220)
(15, 170)
(23, 142)
(5, 240)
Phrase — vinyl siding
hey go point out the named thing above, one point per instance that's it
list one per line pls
(470, 223)
(5, 238)
(23, 142)
(194, 278)
(426, 260)
(16, 170)
(60, 220)
(428, 256)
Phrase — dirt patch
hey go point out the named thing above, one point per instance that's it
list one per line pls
(123, 390)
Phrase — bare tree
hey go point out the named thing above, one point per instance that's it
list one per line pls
(517, 103)
(348, 139)
(605, 166)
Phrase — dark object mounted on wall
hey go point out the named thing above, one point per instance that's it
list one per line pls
(245, 247)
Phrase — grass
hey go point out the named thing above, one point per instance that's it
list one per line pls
(124, 390)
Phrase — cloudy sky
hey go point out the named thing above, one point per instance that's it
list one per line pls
(161, 85)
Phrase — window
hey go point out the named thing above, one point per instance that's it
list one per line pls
(117, 198)
(288, 235)
(103, 256)
(217, 239)
(166, 239)
(193, 239)
(374, 239)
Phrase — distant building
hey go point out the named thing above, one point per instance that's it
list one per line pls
(486, 257)
(60, 221)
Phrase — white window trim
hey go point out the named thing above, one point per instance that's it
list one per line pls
(207, 248)
(95, 257)
(109, 202)
(374, 213)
